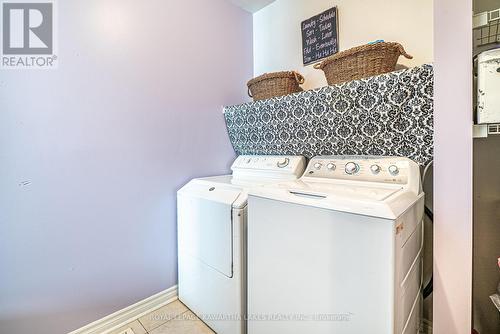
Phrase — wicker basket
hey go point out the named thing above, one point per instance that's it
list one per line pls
(271, 85)
(361, 62)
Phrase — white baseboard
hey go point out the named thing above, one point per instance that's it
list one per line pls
(130, 313)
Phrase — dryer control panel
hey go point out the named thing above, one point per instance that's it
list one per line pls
(268, 162)
(268, 166)
(393, 170)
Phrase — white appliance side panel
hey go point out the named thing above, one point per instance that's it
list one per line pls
(204, 229)
(306, 262)
(406, 296)
(215, 298)
(409, 244)
(413, 325)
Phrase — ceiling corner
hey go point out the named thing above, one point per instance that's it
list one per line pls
(252, 6)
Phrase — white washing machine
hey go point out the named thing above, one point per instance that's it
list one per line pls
(212, 215)
(339, 250)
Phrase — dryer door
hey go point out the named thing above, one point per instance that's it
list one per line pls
(205, 224)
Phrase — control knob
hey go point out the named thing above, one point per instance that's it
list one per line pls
(393, 169)
(375, 169)
(317, 165)
(331, 166)
(351, 168)
(283, 163)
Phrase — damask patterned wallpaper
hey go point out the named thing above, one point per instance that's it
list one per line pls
(389, 114)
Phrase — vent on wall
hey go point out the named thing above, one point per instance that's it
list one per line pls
(494, 129)
(487, 27)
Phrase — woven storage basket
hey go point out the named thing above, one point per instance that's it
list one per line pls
(362, 62)
(275, 84)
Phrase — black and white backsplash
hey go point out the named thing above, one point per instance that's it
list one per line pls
(389, 115)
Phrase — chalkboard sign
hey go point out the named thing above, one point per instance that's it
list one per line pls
(320, 36)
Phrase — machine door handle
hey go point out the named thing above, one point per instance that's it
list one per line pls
(308, 194)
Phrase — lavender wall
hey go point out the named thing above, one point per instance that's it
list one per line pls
(91, 154)
(452, 166)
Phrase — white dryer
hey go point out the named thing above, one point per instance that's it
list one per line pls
(212, 215)
(338, 251)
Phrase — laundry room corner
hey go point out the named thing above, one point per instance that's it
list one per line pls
(93, 152)
(249, 167)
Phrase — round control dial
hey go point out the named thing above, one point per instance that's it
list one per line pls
(317, 165)
(375, 169)
(351, 168)
(393, 169)
(282, 163)
(331, 166)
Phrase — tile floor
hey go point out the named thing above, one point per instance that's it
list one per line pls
(174, 318)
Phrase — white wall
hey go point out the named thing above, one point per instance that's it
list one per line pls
(453, 167)
(91, 154)
(278, 41)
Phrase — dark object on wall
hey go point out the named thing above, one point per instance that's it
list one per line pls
(390, 114)
(276, 84)
(428, 289)
(320, 36)
(362, 62)
(498, 286)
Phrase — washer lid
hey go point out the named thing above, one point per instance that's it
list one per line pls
(351, 191)
(364, 198)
